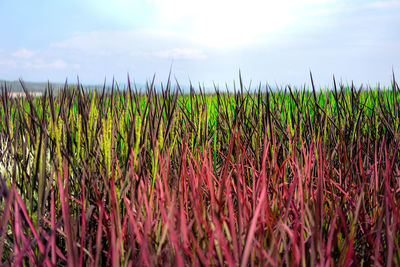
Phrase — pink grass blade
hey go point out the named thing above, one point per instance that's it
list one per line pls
(66, 215)
(252, 229)
(145, 252)
(53, 227)
(232, 227)
(31, 226)
(98, 235)
(5, 219)
(223, 243)
(83, 224)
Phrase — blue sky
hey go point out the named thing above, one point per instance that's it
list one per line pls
(207, 41)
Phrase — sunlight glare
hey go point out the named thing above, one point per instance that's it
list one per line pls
(226, 23)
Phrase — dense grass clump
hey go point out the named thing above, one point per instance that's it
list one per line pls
(294, 177)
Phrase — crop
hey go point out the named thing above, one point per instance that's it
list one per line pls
(265, 177)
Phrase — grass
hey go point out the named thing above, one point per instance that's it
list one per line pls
(293, 176)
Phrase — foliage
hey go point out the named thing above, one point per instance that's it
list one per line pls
(295, 177)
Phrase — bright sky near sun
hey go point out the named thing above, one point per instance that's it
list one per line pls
(206, 41)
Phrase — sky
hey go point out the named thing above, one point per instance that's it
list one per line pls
(203, 42)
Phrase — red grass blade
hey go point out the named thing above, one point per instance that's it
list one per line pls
(252, 229)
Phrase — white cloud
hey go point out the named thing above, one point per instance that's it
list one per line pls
(135, 43)
(9, 63)
(181, 53)
(26, 59)
(106, 42)
(230, 23)
(384, 4)
(33, 62)
(23, 53)
(115, 53)
(41, 64)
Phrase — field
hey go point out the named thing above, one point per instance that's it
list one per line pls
(289, 177)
